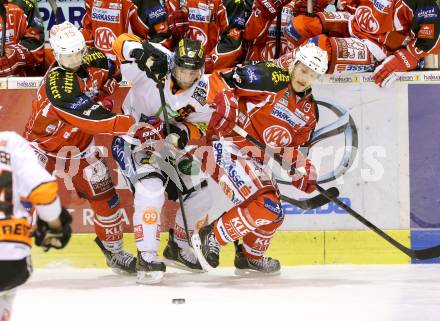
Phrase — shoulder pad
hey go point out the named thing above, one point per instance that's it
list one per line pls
(63, 88)
(263, 76)
(95, 58)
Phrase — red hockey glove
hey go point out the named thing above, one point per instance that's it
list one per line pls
(402, 60)
(15, 56)
(226, 113)
(306, 179)
(149, 134)
(270, 8)
(178, 23)
(107, 103)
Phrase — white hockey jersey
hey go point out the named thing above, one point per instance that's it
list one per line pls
(23, 184)
(143, 98)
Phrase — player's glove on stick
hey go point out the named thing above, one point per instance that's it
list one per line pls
(178, 23)
(225, 115)
(177, 136)
(152, 132)
(15, 56)
(48, 238)
(151, 60)
(402, 60)
(304, 174)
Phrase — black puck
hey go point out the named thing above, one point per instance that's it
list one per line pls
(178, 301)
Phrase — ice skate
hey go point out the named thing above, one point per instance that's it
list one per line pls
(179, 258)
(245, 266)
(206, 247)
(149, 272)
(120, 262)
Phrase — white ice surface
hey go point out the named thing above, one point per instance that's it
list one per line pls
(307, 293)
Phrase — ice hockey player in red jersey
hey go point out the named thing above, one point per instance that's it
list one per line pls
(261, 27)
(105, 20)
(24, 50)
(24, 185)
(71, 106)
(277, 108)
(384, 36)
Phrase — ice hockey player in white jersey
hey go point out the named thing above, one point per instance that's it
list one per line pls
(24, 184)
(148, 177)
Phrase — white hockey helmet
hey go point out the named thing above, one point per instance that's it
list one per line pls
(313, 57)
(68, 45)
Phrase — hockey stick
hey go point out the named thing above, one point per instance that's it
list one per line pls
(3, 16)
(314, 202)
(54, 7)
(179, 192)
(422, 254)
(278, 35)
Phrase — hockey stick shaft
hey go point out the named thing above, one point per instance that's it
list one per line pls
(3, 16)
(179, 192)
(422, 254)
(278, 35)
(54, 7)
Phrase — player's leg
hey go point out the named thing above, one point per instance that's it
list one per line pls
(146, 183)
(12, 274)
(197, 202)
(93, 182)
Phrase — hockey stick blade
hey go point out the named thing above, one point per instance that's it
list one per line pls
(314, 202)
(421, 254)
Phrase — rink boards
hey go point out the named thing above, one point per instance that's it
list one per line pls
(392, 182)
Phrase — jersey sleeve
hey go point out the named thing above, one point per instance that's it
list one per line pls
(64, 92)
(258, 82)
(86, 23)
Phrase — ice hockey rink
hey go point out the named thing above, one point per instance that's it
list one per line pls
(306, 293)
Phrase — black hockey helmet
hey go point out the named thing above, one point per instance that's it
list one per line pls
(189, 54)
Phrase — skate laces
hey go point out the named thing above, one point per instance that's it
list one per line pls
(214, 247)
(122, 258)
(188, 255)
(264, 262)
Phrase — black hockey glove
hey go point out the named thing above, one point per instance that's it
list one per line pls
(151, 60)
(46, 238)
(180, 139)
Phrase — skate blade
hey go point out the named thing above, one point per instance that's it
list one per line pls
(123, 272)
(249, 273)
(153, 277)
(197, 246)
(181, 266)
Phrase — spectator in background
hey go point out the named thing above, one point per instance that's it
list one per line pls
(23, 54)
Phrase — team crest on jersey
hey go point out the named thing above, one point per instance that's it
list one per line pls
(106, 15)
(197, 34)
(366, 20)
(277, 136)
(104, 38)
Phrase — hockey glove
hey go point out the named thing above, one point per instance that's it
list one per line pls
(15, 56)
(304, 174)
(178, 137)
(178, 23)
(225, 115)
(148, 135)
(151, 60)
(269, 8)
(402, 60)
(48, 238)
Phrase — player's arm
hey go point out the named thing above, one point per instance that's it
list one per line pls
(86, 23)
(151, 59)
(37, 186)
(64, 92)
